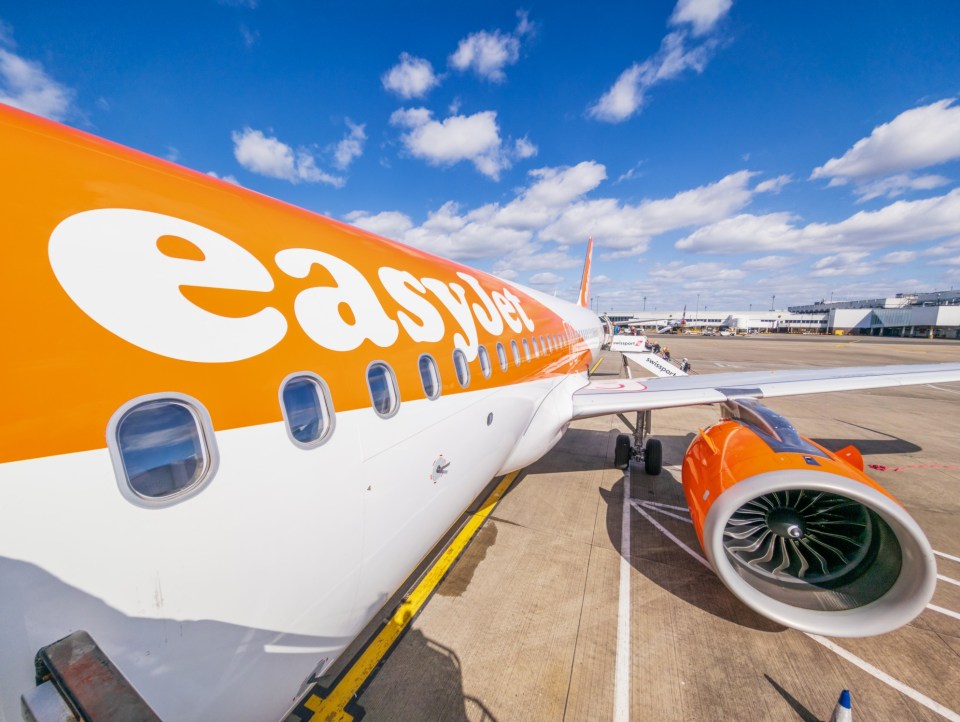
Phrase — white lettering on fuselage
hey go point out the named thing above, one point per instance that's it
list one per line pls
(109, 263)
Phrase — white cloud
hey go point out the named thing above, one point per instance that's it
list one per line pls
(350, 147)
(678, 52)
(897, 185)
(628, 93)
(881, 164)
(774, 185)
(702, 15)
(899, 257)
(900, 222)
(768, 263)
(25, 84)
(487, 54)
(411, 77)
(493, 230)
(628, 228)
(474, 138)
(389, 224)
(270, 157)
(545, 278)
(846, 264)
(713, 272)
(228, 178)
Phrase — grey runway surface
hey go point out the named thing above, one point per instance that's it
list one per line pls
(525, 626)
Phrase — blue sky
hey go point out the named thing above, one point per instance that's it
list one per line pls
(715, 150)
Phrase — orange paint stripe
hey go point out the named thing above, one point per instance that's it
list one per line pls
(66, 374)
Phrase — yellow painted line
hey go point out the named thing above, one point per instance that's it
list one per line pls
(596, 365)
(331, 708)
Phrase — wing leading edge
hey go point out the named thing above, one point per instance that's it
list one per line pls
(600, 398)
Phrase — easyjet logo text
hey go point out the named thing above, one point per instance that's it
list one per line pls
(109, 263)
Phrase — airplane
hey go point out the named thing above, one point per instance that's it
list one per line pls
(668, 327)
(232, 428)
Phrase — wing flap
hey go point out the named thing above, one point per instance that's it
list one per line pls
(599, 398)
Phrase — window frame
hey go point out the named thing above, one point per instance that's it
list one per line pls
(208, 440)
(486, 367)
(516, 352)
(436, 374)
(325, 398)
(392, 377)
(464, 383)
(502, 357)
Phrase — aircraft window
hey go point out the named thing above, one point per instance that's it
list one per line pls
(162, 448)
(526, 349)
(536, 348)
(484, 361)
(544, 346)
(502, 356)
(305, 402)
(463, 370)
(383, 389)
(516, 353)
(430, 376)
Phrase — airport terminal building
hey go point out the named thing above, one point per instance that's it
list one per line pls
(925, 315)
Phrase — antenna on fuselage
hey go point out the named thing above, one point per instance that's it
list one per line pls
(584, 300)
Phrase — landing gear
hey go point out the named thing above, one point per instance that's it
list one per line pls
(639, 447)
(622, 453)
(653, 457)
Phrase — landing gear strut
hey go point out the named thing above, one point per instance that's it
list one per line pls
(639, 447)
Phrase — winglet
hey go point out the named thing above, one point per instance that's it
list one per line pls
(585, 281)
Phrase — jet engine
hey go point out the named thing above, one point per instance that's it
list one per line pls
(802, 535)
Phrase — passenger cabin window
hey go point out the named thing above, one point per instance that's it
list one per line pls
(430, 376)
(536, 348)
(543, 343)
(305, 402)
(526, 349)
(461, 367)
(383, 389)
(516, 353)
(502, 356)
(484, 361)
(162, 448)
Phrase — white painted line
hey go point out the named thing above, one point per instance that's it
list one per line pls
(940, 388)
(637, 505)
(664, 506)
(948, 580)
(621, 685)
(947, 556)
(949, 613)
(674, 539)
(887, 679)
(849, 656)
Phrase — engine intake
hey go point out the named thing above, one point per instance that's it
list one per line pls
(803, 536)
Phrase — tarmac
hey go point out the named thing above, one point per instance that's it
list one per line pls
(547, 616)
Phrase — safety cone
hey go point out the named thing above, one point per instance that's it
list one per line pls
(843, 711)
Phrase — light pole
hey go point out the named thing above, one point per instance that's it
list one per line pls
(773, 302)
(697, 314)
(644, 303)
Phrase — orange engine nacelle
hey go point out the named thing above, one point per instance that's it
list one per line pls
(802, 535)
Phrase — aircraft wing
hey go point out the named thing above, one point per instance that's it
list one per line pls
(599, 398)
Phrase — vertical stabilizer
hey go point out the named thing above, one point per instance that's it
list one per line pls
(585, 281)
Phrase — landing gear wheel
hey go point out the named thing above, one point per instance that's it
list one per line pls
(653, 457)
(621, 455)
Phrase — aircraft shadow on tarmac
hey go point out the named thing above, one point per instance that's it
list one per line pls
(439, 684)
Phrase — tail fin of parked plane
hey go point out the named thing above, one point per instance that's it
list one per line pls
(585, 281)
